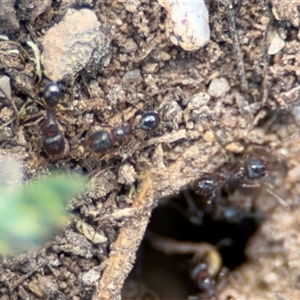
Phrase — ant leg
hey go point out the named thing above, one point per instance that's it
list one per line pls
(194, 214)
(171, 246)
(279, 199)
(283, 203)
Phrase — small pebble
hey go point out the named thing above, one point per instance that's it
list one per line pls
(218, 87)
(132, 76)
(277, 43)
(198, 100)
(187, 23)
(8, 16)
(5, 89)
(90, 276)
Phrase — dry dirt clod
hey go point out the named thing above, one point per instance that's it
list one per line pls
(76, 244)
(69, 45)
(8, 18)
(286, 10)
(127, 175)
(90, 276)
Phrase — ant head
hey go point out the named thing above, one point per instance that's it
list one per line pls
(149, 121)
(205, 185)
(255, 168)
(100, 141)
(52, 94)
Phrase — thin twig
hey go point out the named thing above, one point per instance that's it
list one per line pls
(266, 60)
(237, 47)
(26, 276)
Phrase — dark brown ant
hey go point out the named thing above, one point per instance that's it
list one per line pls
(53, 142)
(102, 141)
(244, 175)
(211, 188)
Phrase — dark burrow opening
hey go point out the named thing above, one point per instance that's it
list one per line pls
(167, 276)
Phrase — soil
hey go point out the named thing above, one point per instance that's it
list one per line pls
(134, 68)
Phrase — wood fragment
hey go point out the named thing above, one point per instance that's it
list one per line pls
(122, 252)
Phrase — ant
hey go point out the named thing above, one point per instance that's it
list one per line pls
(245, 175)
(211, 187)
(101, 141)
(53, 142)
(205, 266)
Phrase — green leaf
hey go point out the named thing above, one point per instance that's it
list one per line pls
(30, 215)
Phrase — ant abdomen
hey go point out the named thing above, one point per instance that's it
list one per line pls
(53, 142)
(54, 145)
(100, 142)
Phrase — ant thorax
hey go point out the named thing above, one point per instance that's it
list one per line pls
(120, 133)
(50, 126)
